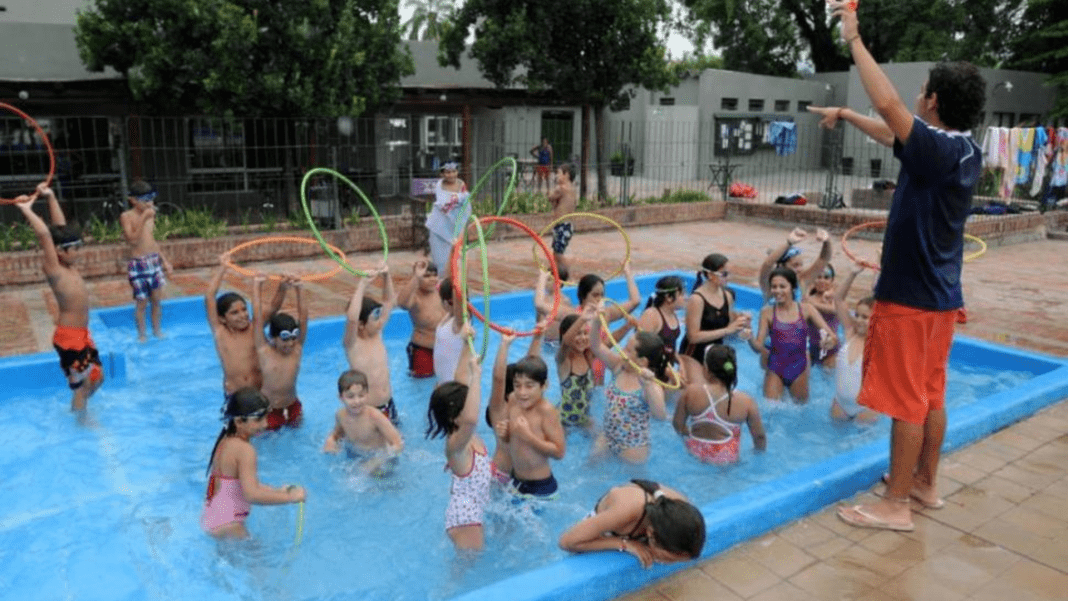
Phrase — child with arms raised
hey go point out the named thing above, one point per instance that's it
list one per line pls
(420, 299)
(710, 414)
(233, 484)
(78, 357)
(363, 343)
(500, 396)
(848, 367)
(453, 413)
(369, 432)
(633, 397)
(279, 356)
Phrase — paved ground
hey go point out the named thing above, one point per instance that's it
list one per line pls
(1004, 532)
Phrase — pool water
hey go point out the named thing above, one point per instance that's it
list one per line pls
(112, 511)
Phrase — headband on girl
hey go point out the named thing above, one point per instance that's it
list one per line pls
(790, 253)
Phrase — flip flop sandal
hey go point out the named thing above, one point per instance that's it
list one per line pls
(857, 516)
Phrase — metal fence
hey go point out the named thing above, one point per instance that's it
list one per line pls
(251, 170)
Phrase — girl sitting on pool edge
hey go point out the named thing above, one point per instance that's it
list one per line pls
(651, 522)
(232, 483)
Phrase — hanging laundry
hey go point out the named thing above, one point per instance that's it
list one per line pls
(1008, 162)
(1060, 164)
(1025, 144)
(783, 135)
(991, 154)
(1044, 148)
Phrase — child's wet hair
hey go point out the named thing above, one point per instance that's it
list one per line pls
(445, 290)
(566, 323)
(446, 404)
(563, 272)
(509, 386)
(711, 263)
(867, 301)
(567, 168)
(239, 405)
(722, 362)
(786, 273)
(350, 378)
(367, 308)
(281, 322)
(678, 526)
(65, 234)
(586, 284)
(225, 301)
(650, 347)
(668, 288)
(533, 367)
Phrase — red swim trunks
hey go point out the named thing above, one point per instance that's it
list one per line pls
(285, 416)
(905, 357)
(78, 356)
(420, 361)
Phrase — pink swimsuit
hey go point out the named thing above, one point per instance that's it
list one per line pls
(225, 503)
(714, 451)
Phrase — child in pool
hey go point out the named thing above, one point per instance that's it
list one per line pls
(787, 355)
(231, 330)
(532, 432)
(710, 413)
(710, 315)
(421, 300)
(500, 396)
(660, 317)
(453, 413)
(448, 338)
(279, 357)
(366, 352)
(543, 303)
(821, 296)
(574, 367)
(369, 433)
(233, 484)
(590, 292)
(633, 397)
(848, 368)
(652, 522)
(789, 255)
(78, 357)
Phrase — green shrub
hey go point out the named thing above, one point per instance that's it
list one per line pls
(103, 232)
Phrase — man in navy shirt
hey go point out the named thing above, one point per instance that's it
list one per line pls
(918, 291)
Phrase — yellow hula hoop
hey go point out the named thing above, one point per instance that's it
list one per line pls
(623, 355)
(549, 227)
(978, 253)
(300, 525)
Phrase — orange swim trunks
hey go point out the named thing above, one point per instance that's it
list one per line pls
(78, 357)
(905, 357)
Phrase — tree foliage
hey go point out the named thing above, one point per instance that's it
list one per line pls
(1042, 45)
(249, 57)
(772, 36)
(428, 20)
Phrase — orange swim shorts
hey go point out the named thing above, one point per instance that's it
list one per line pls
(905, 357)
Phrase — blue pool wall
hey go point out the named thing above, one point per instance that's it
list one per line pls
(729, 521)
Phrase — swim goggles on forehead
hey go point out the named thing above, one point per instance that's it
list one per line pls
(289, 334)
(146, 197)
(262, 413)
(72, 244)
(790, 253)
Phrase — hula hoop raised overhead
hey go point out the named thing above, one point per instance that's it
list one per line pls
(339, 257)
(459, 284)
(458, 267)
(48, 145)
(626, 240)
(872, 224)
(315, 277)
(619, 351)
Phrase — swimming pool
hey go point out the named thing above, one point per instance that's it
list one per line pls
(113, 511)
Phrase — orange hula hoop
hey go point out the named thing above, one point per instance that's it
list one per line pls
(47, 143)
(315, 277)
(457, 286)
(845, 248)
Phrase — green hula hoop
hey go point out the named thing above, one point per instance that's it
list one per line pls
(478, 188)
(315, 230)
(459, 255)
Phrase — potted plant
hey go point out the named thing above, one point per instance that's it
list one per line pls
(617, 161)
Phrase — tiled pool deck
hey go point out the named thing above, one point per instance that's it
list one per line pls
(1004, 530)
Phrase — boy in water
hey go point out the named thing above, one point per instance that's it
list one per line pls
(563, 199)
(78, 356)
(363, 340)
(532, 431)
(232, 331)
(369, 432)
(279, 357)
(420, 299)
(147, 264)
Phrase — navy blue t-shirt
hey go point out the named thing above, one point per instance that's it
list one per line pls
(923, 246)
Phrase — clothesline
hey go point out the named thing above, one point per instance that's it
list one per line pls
(1025, 156)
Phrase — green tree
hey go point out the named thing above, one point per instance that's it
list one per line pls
(591, 52)
(771, 36)
(1042, 45)
(249, 57)
(429, 19)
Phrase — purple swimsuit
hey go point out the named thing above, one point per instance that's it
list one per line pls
(789, 340)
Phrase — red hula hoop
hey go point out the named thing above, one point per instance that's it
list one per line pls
(47, 143)
(457, 287)
(845, 249)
